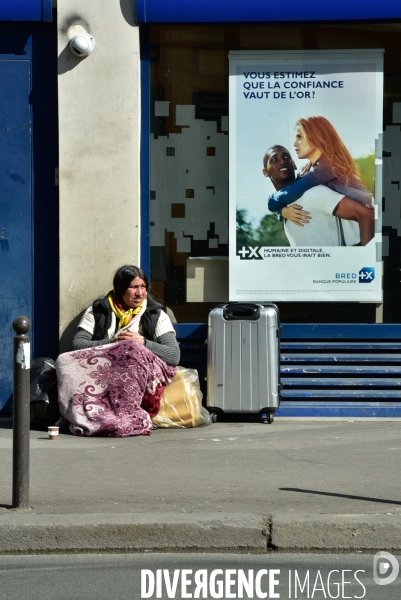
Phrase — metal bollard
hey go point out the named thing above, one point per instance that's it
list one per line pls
(21, 412)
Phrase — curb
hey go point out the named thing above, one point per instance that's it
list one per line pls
(25, 533)
(336, 533)
(30, 533)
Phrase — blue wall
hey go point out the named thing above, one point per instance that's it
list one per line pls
(25, 10)
(15, 202)
(28, 197)
(239, 11)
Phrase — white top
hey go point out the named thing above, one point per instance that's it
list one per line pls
(163, 324)
(323, 227)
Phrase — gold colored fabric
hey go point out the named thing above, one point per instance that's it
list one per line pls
(181, 403)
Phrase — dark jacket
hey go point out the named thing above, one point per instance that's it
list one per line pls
(102, 313)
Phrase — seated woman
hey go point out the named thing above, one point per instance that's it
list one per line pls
(128, 312)
(124, 354)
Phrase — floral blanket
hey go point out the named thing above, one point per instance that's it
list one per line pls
(111, 390)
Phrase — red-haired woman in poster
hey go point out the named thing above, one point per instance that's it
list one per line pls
(329, 163)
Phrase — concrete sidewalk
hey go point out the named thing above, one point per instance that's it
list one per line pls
(295, 484)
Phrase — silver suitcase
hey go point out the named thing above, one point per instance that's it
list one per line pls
(243, 361)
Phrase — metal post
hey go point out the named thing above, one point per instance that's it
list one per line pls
(21, 413)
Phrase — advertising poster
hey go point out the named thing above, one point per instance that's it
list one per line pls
(305, 175)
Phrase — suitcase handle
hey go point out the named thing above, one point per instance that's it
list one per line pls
(241, 312)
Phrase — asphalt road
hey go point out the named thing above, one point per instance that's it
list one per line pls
(118, 576)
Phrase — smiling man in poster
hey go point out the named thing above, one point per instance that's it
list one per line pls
(326, 108)
(319, 224)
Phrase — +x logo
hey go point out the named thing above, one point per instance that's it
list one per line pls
(250, 253)
(366, 275)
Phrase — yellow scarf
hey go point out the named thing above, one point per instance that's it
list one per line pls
(125, 316)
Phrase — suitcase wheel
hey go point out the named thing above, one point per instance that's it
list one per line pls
(269, 418)
(215, 413)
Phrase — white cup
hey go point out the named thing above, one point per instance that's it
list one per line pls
(53, 433)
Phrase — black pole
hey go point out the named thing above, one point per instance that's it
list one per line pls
(21, 412)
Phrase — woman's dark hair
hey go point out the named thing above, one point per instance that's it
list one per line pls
(123, 278)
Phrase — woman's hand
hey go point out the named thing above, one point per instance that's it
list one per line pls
(296, 215)
(129, 335)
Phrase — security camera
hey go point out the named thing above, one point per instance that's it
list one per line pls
(82, 44)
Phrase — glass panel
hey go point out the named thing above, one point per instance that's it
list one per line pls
(189, 162)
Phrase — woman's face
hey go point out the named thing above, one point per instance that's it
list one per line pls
(135, 294)
(302, 147)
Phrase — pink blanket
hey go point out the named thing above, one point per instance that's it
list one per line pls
(101, 389)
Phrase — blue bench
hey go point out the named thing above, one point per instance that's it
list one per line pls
(345, 370)
(336, 370)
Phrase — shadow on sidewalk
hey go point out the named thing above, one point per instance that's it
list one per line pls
(349, 496)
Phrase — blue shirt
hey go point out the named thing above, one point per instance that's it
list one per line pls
(321, 173)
